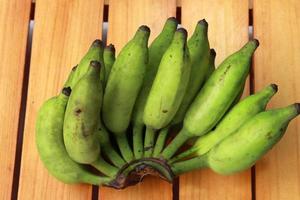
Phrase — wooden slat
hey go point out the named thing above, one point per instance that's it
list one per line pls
(62, 34)
(127, 15)
(277, 26)
(14, 18)
(124, 19)
(228, 31)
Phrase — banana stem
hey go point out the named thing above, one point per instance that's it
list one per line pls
(112, 155)
(95, 180)
(149, 142)
(124, 147)
(183, 155)
(176, 143)
(160, 142)
(138, 147)
(104, 167)
(189, 165)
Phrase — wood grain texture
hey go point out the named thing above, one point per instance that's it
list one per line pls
(127, 15)
(14, 19)
(62, 34)
(124, 19)
(277, 26)
(228, 31)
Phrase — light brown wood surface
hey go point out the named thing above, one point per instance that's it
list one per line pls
(127, 15)
(121, 28)
(277, 60)
(14, 18)
(227, 32)
(63, 32)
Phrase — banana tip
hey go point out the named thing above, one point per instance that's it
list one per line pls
(183, 31)
(256, 42)
(144, 28)
(97, 43)
(213, 52)
(203, 22)
(74, 68)
(275, 87)
(111, 48)
(173, 19)
(66, 91)
(95, 64)
(297, 107)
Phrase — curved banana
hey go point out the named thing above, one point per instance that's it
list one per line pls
(199, 50)
(253, 140)
(244, 147)
(236, 117)
(168, 88)
(156, 51)
(82, 116)
(50, 144)
(215, 97)
(122, 88)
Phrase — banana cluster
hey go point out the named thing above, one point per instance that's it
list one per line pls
(113, 116)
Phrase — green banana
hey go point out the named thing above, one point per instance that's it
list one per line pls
(70, 77)
(82, 116)
(122, 88)
(162, 136)
(95, 52)
(109, 59)
(215, 97)
(244, 147)
(168, 88)
(156, 51)
(236, 117)
(199, 50)
(50, 144)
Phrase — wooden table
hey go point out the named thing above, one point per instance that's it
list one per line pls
(33, 68)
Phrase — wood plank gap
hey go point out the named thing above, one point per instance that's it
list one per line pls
(22, 113)
(251, 90)
(95, 192)
(178, 14)
(176, 188)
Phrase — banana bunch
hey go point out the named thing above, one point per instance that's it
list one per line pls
(110, 123)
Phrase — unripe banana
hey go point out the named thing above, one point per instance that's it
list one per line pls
(244, 147)
(109, 59)
(95, 53)
(253, 140)
(236, 117)
(162, 136)
(156, 51)
(199, 50)
(125, 81)
(50, 144)
(169, 84)
(82, 116)
(122, 88)
(168, 88)
(215, 97)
